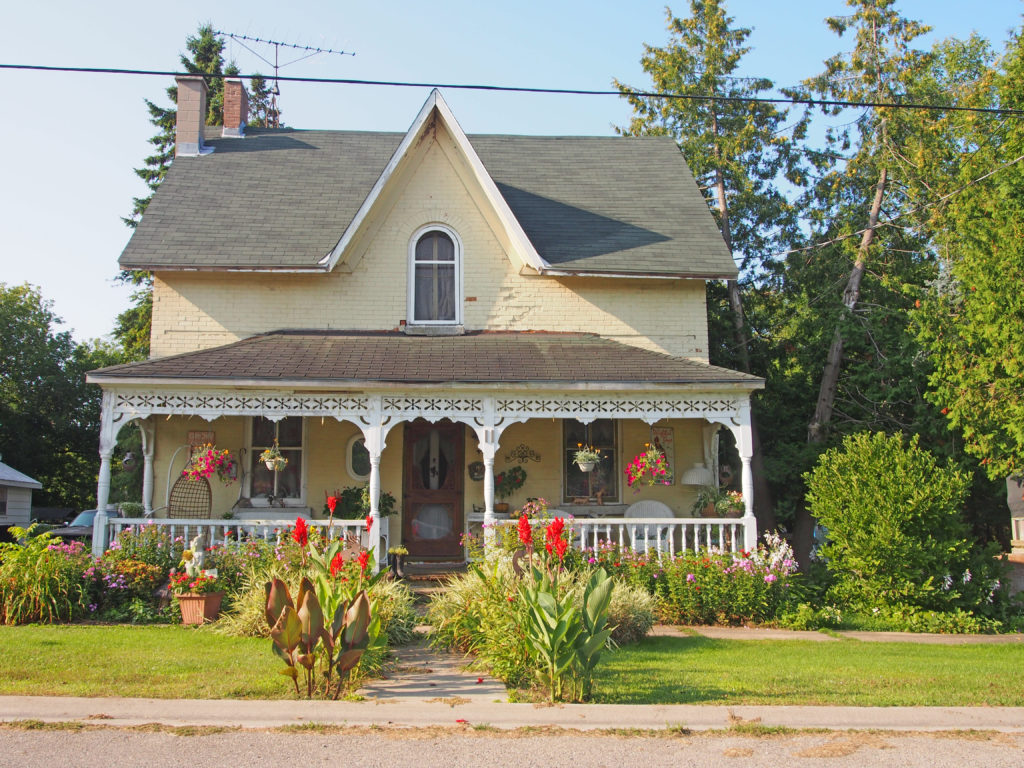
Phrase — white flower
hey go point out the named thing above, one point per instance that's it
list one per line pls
(967, 575)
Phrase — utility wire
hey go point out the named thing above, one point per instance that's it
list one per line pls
(524, 89)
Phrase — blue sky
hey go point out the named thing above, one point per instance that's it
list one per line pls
(70, 141)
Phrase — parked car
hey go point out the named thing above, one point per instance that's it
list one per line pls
(81, 526)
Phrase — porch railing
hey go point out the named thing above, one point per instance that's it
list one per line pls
(220, 532)
(664, 535)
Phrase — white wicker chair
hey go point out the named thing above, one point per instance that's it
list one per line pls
(640, 538)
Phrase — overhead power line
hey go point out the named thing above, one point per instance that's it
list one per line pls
(524, 89)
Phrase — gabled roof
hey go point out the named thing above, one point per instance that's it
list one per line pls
(11, 477)
(330, 358)
(291, 200)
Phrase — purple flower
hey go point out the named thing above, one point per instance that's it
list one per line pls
(690, 578)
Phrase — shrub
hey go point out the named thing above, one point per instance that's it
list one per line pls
(42, 579)
(895, 534)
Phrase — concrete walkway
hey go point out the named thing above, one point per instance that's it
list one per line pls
(437, 711)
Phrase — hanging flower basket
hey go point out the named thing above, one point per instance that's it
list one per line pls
(586, 458)
(649, 468)
(273, 459)
(207, 460)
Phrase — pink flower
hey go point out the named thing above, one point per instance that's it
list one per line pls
(769, 578)
(690, 578)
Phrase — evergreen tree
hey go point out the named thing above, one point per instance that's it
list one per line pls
(263, 110)
(738, 151)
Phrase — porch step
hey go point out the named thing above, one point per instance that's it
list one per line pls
(432, 570)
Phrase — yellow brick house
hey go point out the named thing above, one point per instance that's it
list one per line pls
(421, 312)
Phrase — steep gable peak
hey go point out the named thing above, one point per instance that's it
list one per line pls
(434, 113)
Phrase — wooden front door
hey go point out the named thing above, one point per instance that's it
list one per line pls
(432, 520)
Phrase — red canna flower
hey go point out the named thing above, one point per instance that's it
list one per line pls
(336, 564)
(369, 522)
(332, 502)
(560, 546)
(525, 532)
(301, 532)
(363, 560)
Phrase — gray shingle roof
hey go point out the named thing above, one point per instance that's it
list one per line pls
(393, 357)
(12, 477)
(283, 199)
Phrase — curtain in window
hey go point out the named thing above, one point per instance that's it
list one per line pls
(434, 278)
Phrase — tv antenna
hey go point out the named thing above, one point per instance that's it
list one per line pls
(308, 51)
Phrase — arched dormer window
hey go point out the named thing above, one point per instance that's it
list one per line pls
(435, 277)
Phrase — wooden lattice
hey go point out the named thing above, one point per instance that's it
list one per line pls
(190, 498)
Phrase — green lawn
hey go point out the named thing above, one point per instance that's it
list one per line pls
(163, 662)
(179, 662)
(697, 670)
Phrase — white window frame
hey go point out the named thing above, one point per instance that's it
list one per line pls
(411, 298)
(261, 501)
(348, 458)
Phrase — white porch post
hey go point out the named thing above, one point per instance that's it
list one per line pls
(745, 446)
(375, 436)
(487, 439)
(147, 432)
(108, 436)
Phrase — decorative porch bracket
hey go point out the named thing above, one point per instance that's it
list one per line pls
(375, 430)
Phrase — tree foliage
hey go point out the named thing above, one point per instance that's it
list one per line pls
(972, 320)
(49, 416)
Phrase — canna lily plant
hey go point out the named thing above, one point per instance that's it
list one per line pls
(567, 641)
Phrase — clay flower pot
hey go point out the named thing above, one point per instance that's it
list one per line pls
(196, 609)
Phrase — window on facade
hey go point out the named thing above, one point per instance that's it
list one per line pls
(358, 458)
(435, 279)
(603, 481)
(286, 484)
(3, 500)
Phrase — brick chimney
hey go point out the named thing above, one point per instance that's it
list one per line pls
(188, 132)
(236, 107)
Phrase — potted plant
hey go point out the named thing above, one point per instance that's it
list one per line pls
(398, 555)
(649, 468)
(198, 596)
(713, 501)
(273, 459)
(586, 457)
(505, 484)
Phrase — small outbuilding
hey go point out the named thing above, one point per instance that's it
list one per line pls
(15, 496)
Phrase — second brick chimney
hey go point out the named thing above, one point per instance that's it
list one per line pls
(236, 107)
(188, 131)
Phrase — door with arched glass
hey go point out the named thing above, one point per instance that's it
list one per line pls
(433, 520)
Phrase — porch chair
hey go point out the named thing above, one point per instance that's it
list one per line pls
(189, 499)
(649, 508)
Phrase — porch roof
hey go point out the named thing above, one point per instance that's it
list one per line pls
(489, 357)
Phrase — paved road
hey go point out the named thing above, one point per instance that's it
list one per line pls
(429, 747)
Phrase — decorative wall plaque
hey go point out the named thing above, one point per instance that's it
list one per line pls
(523, 454)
